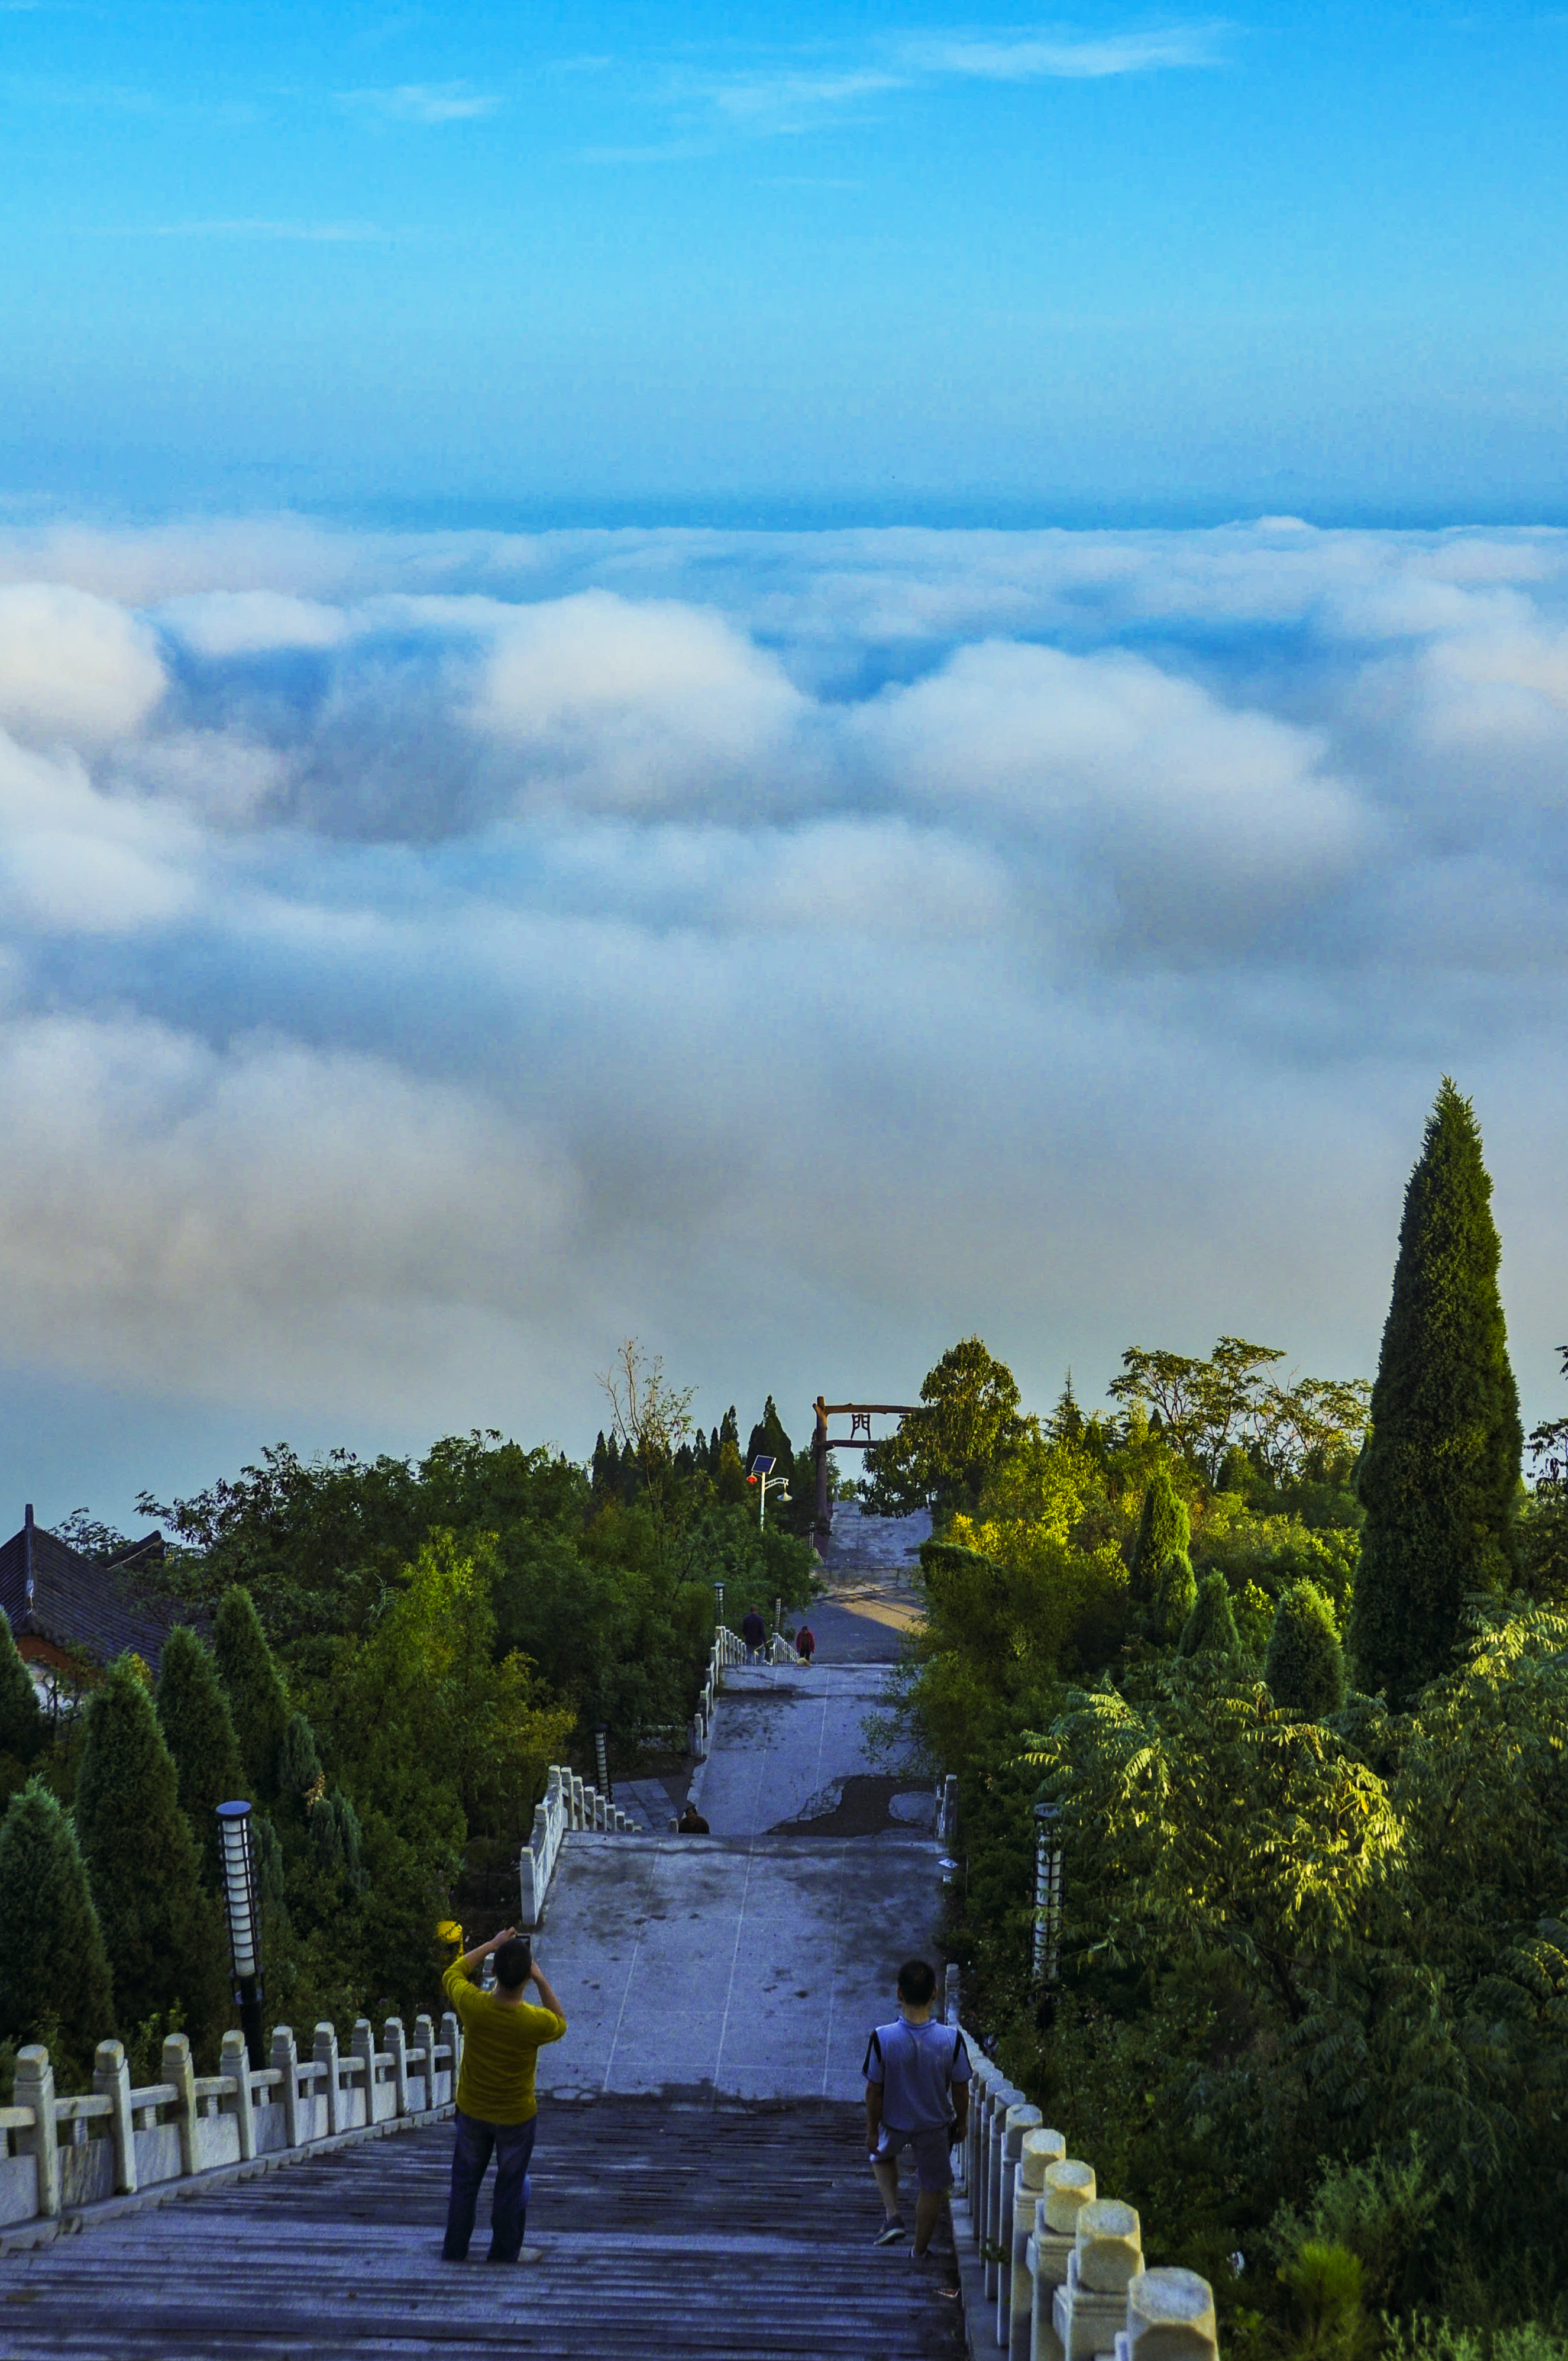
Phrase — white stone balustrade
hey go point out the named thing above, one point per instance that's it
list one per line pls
(568, 1803)
(1041, 2150)
(1052, 2270)
(58, 2154)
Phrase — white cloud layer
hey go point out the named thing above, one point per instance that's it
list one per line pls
(429, 957)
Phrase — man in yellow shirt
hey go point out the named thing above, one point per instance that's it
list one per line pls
(502, 2035)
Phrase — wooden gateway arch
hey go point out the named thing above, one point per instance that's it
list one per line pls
(859, 1438)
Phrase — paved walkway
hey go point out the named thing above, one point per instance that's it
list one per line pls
(717, 2238)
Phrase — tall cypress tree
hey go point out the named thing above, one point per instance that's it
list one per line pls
(21, 1716)
(1440, 1474)
(1164, 1531)
(164, 1937)
(1211, 1629)
(199, 1732)
(1305, 1666)
(54, 1972)
(256, 1694)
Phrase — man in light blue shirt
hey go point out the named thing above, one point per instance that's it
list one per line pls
(917, 2078)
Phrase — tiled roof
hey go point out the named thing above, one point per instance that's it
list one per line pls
(50, 1591)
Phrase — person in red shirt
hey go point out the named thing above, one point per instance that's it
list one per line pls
(805, 1645)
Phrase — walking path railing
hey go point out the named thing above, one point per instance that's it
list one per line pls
(568, 1803)
(57, 2155)
(1052, 2270)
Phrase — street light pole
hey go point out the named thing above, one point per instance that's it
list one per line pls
(244, 1922)
(1048, 1901)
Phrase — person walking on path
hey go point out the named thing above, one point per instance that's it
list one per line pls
(754, 1631)
(805, 1645)
(917, 2078)
(502, 2035)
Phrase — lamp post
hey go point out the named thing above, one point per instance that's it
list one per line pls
(601, 1755)
(244, 1922)
(1048, 1901)
(718, 1604)
(763, 1467)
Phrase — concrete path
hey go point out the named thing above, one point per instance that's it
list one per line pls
(784, 1738)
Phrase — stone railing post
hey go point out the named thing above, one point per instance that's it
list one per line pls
(397, 2042)
(286, 2059)
(451, 2035)
(1013, 2327)
(1015, 2123)
(424, 2040)
(576, 1801)
(1067, 2188)
(324, 2052)
(35, 2089)
(1002, 2097)
(980, 2083)
(362, 2043)
(112, 2080)
(980, 2111)
(235, 2061)
(1170, 2317)
(1107, 2255)
(177, 2068)
(950, 1997)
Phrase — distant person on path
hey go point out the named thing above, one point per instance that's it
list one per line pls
(805, 1645)
(917, 2078)
(502, 2035)
(692, 1824)
(754, 1631)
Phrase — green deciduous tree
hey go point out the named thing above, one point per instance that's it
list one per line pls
(163, 1935)
(21, 1716)
(54, 1973)
(1305, 1664)
(1440, 1474)
(199, 1732)
(942, 1453)
(256, 1698)
(1211, 1629)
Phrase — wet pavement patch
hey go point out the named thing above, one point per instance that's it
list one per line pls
(864, 1808)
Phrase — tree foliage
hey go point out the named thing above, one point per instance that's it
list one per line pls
(257, 1702)
(1164, 1531)
(942, 1454)
(54, 1973)
(1305, 1666)
(199, 1732)
(22, 1729)
(1440, 1474)
(1211, 1629)
(163, 1935)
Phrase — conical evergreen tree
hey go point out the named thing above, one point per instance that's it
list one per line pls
(1211, 1629)
(164, 1937)
(256, 1694)
(1440, 1474)
(54, 1972)
(21, 1716)
(1174, 1598)
(729, 1429)
(1305, 1666)
(198, 1731)
(1164, 1529)
(1065, 1422)
(299, 1765)
(768, 1436)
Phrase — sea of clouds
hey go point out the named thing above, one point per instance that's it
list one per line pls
(428, 958)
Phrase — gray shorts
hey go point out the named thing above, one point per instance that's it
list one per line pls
(933, 2161)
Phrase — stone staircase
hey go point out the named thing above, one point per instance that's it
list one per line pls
(717, 2233)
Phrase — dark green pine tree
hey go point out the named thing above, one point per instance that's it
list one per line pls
(1175, 1598)
(198, 1731)
(1165, 1530)
(768, 1436)
(1211, 1629)
(729, 1429)
(1440, 1474)
(164, 1936)
(598, 1467)
(21, 1716)
(1305, 1666)
(299, 1777)
(258, 1700)
(54, 1972)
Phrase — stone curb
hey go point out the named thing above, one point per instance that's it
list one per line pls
(22, 2235)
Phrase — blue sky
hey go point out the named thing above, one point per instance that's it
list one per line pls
(790, 683)
(760, 264)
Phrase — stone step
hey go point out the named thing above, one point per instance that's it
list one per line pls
(716, 2234)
